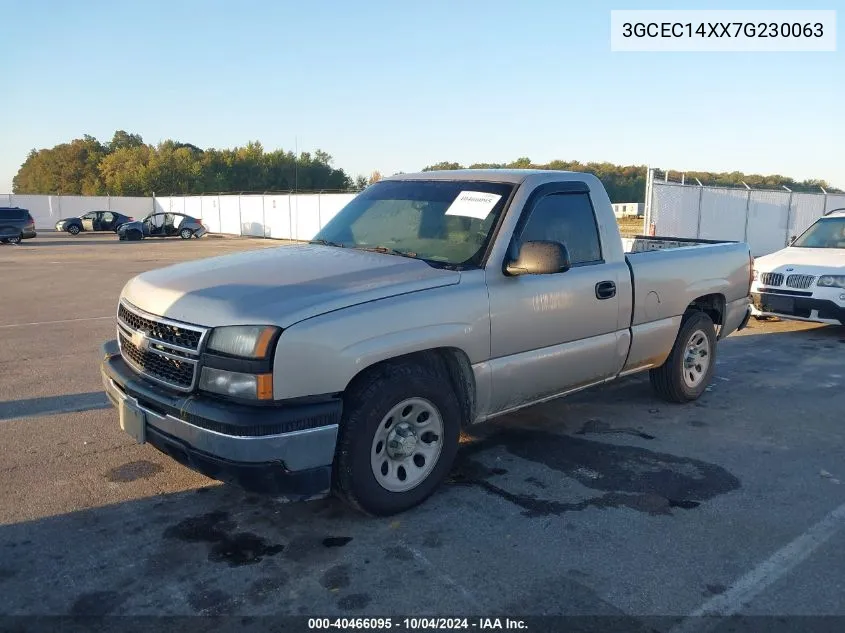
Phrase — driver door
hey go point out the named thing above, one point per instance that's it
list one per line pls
(88, 221)
(553, 333)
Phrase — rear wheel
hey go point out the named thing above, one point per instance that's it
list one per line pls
(398, 439)
(186, 234)
(73, 229)
(15, 240)
(689, 368)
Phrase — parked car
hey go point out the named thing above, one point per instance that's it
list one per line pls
(429, 303)
(163, 225)
(16, 224)
(93, 221)
(806, 280)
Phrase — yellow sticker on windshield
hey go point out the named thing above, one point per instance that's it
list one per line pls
(473, 204)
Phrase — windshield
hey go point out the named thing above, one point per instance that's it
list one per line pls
(825, 233)
(447, 221)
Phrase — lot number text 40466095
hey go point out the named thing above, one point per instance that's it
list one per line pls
(417, 624)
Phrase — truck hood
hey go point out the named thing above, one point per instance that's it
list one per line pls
(278, 286)
(816, 261)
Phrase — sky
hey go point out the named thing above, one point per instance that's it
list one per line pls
(393, 86)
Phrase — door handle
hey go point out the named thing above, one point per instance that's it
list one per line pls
(605, 290)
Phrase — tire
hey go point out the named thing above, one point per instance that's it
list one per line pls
(676, 380)
(370, 411)
(14, 240)
(73, 229)
(186, 234)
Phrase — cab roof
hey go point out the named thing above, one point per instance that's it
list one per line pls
(512, 176)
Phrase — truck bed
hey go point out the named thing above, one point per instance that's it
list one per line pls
(643, 243)
(669, 274)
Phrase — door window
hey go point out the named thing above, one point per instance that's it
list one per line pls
(567, 218)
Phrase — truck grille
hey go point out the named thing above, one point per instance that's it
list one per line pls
(162, 350)
(771, 279)
(170, 333)
(800, 281)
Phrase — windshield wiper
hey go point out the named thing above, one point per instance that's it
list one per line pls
(389, 251)
(327, 243)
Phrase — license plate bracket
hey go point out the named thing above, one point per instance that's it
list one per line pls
(133, 421)
(784, 305)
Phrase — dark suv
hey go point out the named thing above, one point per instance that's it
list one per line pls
(16, 224)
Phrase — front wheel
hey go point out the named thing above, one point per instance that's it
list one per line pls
(689, 368)
(73, 229)
(186, 234)
(398, 439)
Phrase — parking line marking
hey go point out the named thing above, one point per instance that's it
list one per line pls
(445, 578)
(766, 573)
(52, 322)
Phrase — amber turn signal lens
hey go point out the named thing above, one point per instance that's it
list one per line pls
(264, 386)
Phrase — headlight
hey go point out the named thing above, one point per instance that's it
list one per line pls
(236, 384)
(243, 341)
(831, 281)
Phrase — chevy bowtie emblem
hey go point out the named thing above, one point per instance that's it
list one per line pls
(140, 340)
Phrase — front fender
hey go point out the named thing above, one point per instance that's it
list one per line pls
(323, 354)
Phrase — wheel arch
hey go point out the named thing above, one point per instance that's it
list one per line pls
(453, 361)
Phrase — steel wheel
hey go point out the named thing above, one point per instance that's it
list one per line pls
(407, 445)
(696, 358)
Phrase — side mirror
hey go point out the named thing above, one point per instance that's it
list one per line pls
(539, 258)
(792, 239)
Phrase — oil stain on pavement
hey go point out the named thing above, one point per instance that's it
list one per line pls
(628, 476)
(214, 528)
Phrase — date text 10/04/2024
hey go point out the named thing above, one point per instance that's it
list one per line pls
(416, 624)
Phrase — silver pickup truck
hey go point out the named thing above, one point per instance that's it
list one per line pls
(431, 302)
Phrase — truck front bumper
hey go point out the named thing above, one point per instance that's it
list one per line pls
(285, 450)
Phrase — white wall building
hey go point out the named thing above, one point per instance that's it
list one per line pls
(628, 209)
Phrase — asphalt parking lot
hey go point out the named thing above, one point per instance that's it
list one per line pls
(607, 503)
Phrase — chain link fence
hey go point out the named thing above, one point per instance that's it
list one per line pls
(765, 219)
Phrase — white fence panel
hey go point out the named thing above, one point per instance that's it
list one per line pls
(806, 209)
(674, 210)
(252, 216)
(74, 206)
(230, 215)
(722, 214)
(768, 213)
(834, 201)
(177, 204)
(277, 217)
(45, 210)
(134, 207)
(210, 213)
(331, 204)
(307, 216)
(192, 206)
